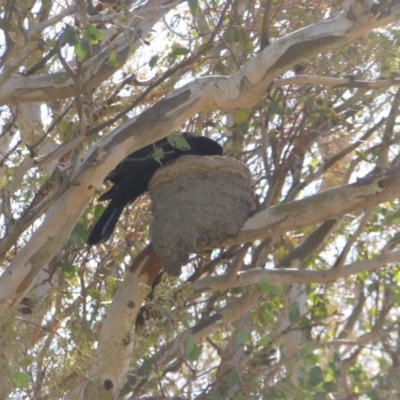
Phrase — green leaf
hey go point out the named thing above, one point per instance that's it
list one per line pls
(44, 178)
(181, 51)
(264, 285)
(243, 128)
(25, 362)
(310, 358)
(337, 358)
(71, 36)
(80, 232)
(275, 393)
(314, 163)
(132, 48)
(178, 142)
(21, 380)
(110, 282)
(249, 47)
(268, 315)
(192, 351)
(81, 49)
(316, 375)
(194, 6)
(264, 341)
(94, 294)
(276, 290)
(274, 107)
(69, 270)
(99, 209)
(372, 287)
(153, 61)
(396, 276)
(294, 312)
(241, 116)
(373, 395)
(361, 155)
(112, 59)
(330, 386)
(150, 226)
(396, 295)
(92, 34)
(220, 68)
(189, 344)
(232, 35)
(241, 336)
(158, 154)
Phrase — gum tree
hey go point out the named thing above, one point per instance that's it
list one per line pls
(304, 299)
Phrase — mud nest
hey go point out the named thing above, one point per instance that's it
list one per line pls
(197, 203)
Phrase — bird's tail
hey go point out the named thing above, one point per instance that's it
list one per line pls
(106, 223)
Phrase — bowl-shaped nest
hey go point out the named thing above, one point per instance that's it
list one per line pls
(197, 203)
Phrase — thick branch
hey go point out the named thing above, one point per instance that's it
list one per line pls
(21, 88)
(332, 203)
(112, 358)
(335, 82)
(288, 276)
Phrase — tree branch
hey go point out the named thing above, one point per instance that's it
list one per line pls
(288, 276)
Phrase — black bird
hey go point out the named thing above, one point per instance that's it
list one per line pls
(132, 175)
